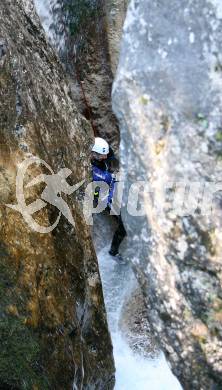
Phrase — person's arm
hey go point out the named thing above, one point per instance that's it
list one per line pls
(99, 175)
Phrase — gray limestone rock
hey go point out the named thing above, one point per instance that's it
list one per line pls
(167, 96)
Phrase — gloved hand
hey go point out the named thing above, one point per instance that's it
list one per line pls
(96, 197)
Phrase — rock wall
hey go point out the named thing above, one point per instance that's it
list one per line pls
(53, 326)
(167, 96)
(87, 34)
(115, 12)
(89, 61)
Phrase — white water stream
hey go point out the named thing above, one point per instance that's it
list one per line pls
(133, 372)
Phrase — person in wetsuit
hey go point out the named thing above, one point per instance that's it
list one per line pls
(102, 160)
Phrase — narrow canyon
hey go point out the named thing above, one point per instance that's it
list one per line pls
(147, 77)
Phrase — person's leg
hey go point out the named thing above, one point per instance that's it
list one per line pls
(118, 237)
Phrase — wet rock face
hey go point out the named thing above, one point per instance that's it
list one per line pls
(167, 96)
(135, 326)
(53, 326)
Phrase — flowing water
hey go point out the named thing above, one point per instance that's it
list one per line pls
(133, 371)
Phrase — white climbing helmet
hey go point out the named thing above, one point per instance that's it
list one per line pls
(100, 146)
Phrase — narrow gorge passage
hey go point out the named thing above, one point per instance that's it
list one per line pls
(169, 131)
(146, 78)
(134, 371)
